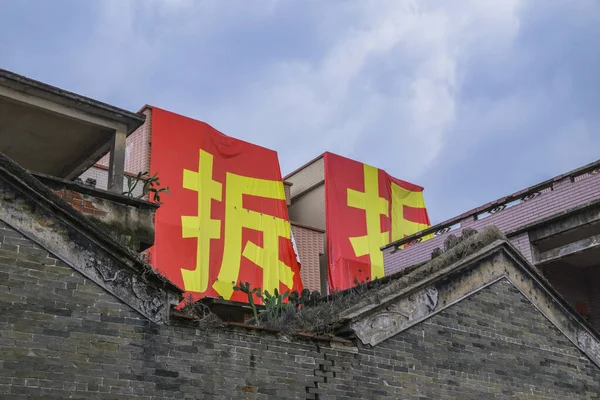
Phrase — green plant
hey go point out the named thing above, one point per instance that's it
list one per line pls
(274, 303)
(150, 185)
(298, 300)
(245, 288)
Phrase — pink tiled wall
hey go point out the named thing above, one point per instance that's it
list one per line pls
(310, 245)
(137, 157)
(521, 242)
(564, 195)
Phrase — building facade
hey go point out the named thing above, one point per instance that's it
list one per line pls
(308, 238)
(502, 313)
(554, 224)
(482, 325)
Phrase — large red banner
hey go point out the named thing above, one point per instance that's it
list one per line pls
(225, 220)
(366, 208)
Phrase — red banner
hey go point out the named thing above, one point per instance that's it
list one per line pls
(226, 218)
(366, 208)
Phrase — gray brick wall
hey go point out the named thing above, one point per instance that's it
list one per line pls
(494, 344)
(62, 336)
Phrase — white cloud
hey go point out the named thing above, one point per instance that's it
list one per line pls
(428, 89)
(332, 101)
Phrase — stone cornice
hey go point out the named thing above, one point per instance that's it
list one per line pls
(500, 260)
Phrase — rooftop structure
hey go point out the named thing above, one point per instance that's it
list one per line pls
(361, 208)
(472, 313)
(82, 317)
(554, 224)
(59, 133)
(309, 238)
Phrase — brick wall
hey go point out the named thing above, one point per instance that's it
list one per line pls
(522, 243)
(61, 336)
(565, 195)
(77, 201)
(129, 221)
(494, 344)
(310, 245)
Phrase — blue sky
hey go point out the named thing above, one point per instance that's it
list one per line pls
(471, 99)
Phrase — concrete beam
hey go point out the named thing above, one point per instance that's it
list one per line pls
(566, 223)
(72, 171)
(116, 164)
(60, 109)
(569, 249)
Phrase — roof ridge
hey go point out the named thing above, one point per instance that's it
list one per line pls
(460, 253)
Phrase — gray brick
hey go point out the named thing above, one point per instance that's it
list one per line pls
(61, 336)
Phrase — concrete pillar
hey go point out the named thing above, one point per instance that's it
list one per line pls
(116, 164)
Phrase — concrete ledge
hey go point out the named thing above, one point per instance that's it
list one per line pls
(34, 210)
(129, 221)
(58, 183)
(579, 246)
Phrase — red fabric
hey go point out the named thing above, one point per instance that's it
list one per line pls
(344, 222)
(176, 141)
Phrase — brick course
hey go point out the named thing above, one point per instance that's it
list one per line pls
(77, 201)
(62, 336)
(494, 344)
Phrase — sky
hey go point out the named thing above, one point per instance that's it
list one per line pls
(473, 100)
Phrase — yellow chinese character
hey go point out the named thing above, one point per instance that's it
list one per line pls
(402, 227)
(236, 218)
(374, 207)
(201, 226)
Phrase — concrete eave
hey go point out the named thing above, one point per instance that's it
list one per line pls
(56, 132)
(294, 172)
(94, 107)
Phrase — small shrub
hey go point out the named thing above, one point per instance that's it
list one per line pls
(150, 185)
